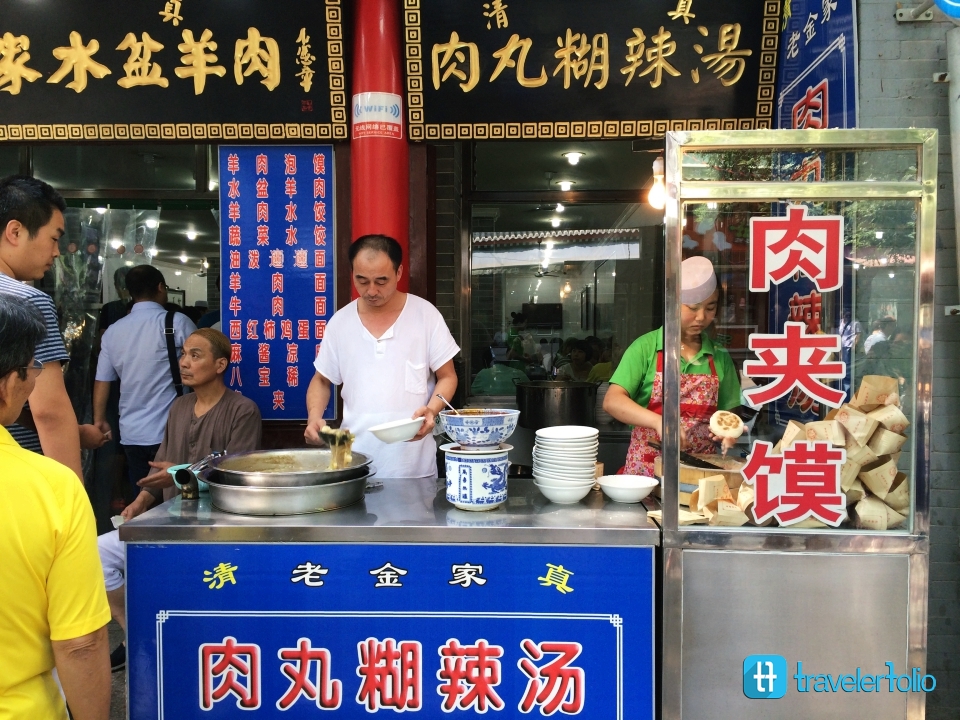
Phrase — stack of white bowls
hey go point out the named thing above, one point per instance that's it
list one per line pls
(564, 462)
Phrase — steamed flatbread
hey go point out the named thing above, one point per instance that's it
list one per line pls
(726, 424)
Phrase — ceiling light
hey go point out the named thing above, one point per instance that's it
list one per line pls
(115, 244)
(856, 266)
(892, 275)
(573, 157)
(560, 207)
(550, 244)
(205, 265)
(883, 261)
(191, 234)
(613, 274)
(879, 234)
(565, 185)
(545, 264)
(567, 288)
(151, 223)
(711, 206)
(183, 258)
(555, 222)
(101, 210)
(212, 185)
(151, 253)
(657, 197)
(129, 263)
(177, 272)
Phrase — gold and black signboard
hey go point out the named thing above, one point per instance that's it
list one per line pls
(501, 69)
(138, 70)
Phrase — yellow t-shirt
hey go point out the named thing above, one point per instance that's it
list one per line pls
(51, 583)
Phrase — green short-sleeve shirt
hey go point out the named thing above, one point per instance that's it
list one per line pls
(638, 368)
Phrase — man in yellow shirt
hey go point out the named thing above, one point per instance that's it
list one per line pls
(53, 608)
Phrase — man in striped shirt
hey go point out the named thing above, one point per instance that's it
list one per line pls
(31, 223)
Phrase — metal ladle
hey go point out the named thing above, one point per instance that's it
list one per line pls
(456, 412)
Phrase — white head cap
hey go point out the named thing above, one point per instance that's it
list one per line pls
(697, 280)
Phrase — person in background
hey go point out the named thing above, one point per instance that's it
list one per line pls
(212, 417)
(498, 379)
(708, 378)
(602, 371)
(211, 317)
(849, 337)
(134, 351)
(392, 354)
(546, 355)
(562, 357)
(53, 610)
(883, 330)
(579, 366)
(115, 309)
(31, 224)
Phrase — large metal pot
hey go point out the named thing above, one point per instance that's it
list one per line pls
(545, 403)
(284, 468)
(297, 500)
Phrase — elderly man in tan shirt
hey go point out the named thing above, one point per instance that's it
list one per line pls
(212, 417)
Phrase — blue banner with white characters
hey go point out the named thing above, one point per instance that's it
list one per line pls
(817, 78)
(288, 630)
(276, 270)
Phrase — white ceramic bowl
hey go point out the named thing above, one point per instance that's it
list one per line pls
(562, 478)
(397, 430)
(563, 495)
(479, 427)
(568, 432)
(563, 466)
(627, 488)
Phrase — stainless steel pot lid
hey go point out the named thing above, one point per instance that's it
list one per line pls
(294, 461)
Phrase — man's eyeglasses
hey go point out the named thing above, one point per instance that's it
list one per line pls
(35, 365)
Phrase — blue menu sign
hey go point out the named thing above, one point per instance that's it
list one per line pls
(817, 83)
(287, 630)
(277, 270)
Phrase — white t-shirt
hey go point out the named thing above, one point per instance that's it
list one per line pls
(387, 379)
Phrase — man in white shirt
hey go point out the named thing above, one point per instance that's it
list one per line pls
(392, 354)
(134, 351)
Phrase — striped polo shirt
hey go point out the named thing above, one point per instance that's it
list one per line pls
(50, 349)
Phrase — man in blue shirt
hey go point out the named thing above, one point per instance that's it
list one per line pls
(134, 351)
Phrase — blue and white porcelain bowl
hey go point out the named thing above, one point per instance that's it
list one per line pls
(477, 481)
(479, 427)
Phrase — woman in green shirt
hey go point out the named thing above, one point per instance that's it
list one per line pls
(708, 378)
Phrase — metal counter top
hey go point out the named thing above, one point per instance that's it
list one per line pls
(408, 511)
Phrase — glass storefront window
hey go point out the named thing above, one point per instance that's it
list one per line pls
(593, 285)
(813, 335)
(9, 160)
(96, 167)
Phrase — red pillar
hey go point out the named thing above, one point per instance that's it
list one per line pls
(379, 154)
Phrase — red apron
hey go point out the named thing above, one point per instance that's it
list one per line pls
(698, 401)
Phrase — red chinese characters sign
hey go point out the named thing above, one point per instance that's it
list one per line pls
(798, 363)
(797, 243)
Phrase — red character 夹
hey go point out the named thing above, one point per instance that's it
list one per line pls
(794, 359)
(783, 246)
(230, 668)
(469, 676)
(322, 690)
(555, 685)
(390, 674)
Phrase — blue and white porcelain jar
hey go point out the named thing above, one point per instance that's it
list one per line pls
(477, 481)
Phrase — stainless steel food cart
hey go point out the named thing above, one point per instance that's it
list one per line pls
(398, 603)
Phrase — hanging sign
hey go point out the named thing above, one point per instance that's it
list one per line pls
(817, 87)
(566, 69)
(277, 270)
(171, 70)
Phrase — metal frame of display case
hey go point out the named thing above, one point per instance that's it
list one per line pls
(914, 542)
